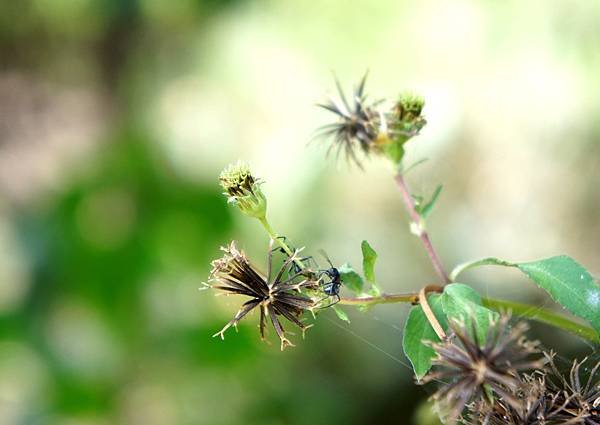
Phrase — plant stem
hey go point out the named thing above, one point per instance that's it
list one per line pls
(410, 297)
(422, 233)
(274, 236)
(528, 311)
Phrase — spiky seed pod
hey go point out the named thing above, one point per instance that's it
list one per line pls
(548, 397)
(243, 190)
(277, 295)
(578, 393)
(472, 370)
(357, 125)
(536, 406)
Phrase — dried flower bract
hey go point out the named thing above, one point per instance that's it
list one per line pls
(357, 125)
(578, 393)
(277, 295)
(535, 406)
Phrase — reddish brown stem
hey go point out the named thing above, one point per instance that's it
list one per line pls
(422, 233)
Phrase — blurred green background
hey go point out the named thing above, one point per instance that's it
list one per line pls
(116, 117)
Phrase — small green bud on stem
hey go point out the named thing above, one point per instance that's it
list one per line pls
(243, 190)
(403, 122)
(409, 107)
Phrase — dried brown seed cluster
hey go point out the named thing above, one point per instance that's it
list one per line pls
(472, 370)
(534, 407)
(277, 295)
(486, 383)
(547, 397)
(577, 394)
(357, 124)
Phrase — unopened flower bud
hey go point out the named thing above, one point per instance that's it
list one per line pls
(243, 190)
(404, 121)
(409, 107)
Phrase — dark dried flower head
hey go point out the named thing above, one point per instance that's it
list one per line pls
(277, 295)
(578, 393)
(243, 189)
(536, 406)
(357, 125)
(472, 371)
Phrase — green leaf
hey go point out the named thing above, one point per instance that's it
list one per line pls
(417, 330)
(414, 165)
(461, 302)
(341, 314)
(369, 258)
(351, 279)
(426, 209)
(569, 284)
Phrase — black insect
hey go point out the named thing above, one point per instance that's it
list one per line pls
(331, 280)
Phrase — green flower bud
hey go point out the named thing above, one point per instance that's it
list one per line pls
(243, 190)
(403, 122)
(409, 107)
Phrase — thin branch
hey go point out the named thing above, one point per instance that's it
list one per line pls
(422, 233)
(410, 297)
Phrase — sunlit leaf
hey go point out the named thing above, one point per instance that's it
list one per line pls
(369, 258)
(569, 284)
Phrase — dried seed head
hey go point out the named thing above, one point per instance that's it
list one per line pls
(535, 407)
(277, 295)
(473, 372)
(578, 394)
(371, 128)
(357, 125)
(243, 190)
(547, 397)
